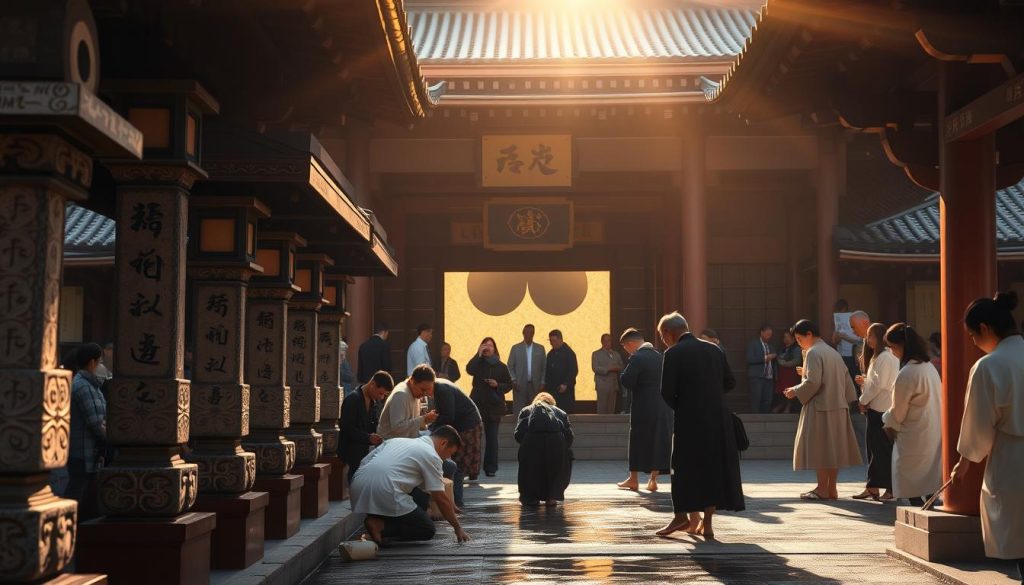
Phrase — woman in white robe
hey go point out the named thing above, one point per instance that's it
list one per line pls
(993, 425)
(915, 418)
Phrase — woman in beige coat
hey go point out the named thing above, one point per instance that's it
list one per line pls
(824, 437)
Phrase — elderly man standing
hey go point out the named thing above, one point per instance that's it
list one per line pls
(650, 420)
(387, 487)
(607, 364)
(705, 459)
(526, 363)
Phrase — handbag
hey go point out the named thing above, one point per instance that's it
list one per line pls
(742, 441)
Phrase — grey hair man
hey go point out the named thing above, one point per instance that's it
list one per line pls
(671, 327)
(859, 322)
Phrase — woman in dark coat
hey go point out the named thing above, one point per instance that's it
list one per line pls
(545, 436)
(491, 382)
(650, 419)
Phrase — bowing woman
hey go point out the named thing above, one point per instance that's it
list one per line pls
(545, 435)
(993, 425)
(914, 421)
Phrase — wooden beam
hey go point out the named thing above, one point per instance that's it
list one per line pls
(988, 113)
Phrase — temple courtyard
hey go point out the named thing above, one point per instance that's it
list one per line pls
(606, 535)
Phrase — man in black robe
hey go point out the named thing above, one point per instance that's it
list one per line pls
(705, 460)
(560, 373)
(360, 413)
(374, 354)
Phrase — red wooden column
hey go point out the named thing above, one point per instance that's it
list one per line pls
(360, 293)
(829, 185)
(693, 224)
(967, 219)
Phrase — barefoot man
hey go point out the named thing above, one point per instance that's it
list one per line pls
(396, 483)
(705, 460)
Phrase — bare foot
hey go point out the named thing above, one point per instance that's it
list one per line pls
(374, 528)
(627, 485)
(705, 531)
(675, 525)
(652, 486)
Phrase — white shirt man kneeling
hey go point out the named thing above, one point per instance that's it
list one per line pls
(397, 481)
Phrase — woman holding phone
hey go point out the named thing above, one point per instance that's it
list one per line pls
(491, 382)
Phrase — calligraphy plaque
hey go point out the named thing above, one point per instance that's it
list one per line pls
(526, 160)
(517, 224)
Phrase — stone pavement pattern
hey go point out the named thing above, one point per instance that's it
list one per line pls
(605, 535)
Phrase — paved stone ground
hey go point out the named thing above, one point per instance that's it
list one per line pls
(605, 535)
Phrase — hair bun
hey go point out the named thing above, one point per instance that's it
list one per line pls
(1006, 300)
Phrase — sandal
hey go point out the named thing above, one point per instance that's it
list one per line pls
(811, 495)
(864, 495)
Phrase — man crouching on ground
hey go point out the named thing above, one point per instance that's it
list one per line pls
(396, 483)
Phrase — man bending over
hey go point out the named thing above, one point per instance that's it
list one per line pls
(396, 483)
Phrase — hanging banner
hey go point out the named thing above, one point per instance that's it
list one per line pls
(526, 160)
(528, 224)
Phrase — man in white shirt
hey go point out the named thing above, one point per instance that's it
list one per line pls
(393, 483)
(401, 414)
(419, 352)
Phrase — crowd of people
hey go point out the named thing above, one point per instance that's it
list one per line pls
(400, 440)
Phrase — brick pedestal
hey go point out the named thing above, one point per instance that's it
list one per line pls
(283, 510)
(315, 489)
(237, 541)
(939, 536)
(337, 488)
(154, 551)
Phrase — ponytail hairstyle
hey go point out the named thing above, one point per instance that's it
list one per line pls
(915, 348)
(877, 332)
(996, 312)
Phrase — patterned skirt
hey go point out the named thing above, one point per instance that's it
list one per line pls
(468, 457)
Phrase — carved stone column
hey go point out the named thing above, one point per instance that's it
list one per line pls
(38, 173)
(303, 313)
(332, 322)
(265, 372)
(222, 258)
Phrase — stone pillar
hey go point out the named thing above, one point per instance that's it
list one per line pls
(303, 336)
(332, 321)
(38, 173)
(149, 489)
(831, 155)
(222, 258)
(693, 230)
(265, 372)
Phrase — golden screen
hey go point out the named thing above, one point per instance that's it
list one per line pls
(499, 304)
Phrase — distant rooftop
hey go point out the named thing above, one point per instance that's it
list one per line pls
(528, 31)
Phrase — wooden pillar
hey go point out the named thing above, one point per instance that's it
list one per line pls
(222, 258)
(265, 372)
(332, 321)
(693, 229)
(967, 220)
(831, 156)
(358, 328)
(303, 321)
(671, 252)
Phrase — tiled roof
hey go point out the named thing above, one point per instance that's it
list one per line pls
(916, 230)
(87, 233)
(488, 32)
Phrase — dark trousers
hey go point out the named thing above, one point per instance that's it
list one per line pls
(82, 488)
(761, 390)
(491, 445)
(879, 453)
(450, 470)
(415, 525)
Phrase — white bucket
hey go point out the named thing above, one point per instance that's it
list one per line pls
(358, 550)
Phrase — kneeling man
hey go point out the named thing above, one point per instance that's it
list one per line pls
(393, 482)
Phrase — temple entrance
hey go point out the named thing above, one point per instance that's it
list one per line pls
(498, 304)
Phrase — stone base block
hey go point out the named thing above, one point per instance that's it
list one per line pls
(75, 579)
(939, 536)
(337, 489)
(274, 455)
(315, 489)
(224, 473)
(283, 511)
(155, 551)
(309, 445)
(237, 542)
